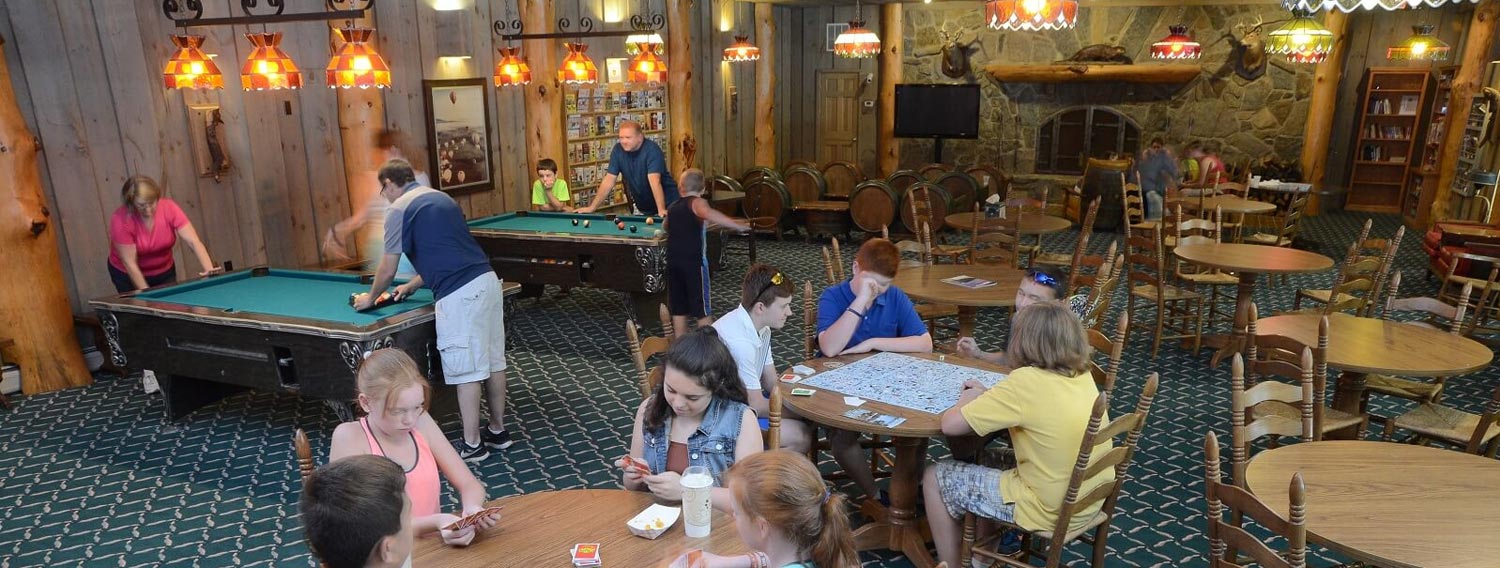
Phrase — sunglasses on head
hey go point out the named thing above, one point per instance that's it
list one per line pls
(1042, 278)
(776, 280)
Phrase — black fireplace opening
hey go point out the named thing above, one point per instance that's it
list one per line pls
(1070, 136)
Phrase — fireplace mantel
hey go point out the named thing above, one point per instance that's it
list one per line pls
(1094, 73)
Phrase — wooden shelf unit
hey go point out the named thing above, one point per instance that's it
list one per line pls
(1391, 135)
(1422, 178)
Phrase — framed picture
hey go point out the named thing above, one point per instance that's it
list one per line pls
(832, 34)
(458, 134)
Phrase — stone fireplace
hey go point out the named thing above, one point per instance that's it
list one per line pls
(1068, 137)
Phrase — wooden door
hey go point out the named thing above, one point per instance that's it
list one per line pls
(838, 116)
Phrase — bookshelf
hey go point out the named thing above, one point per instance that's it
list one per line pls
(1422, 179)
(1390, 136)
(594, 114)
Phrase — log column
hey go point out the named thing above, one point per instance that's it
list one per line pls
(543, 99)
(361, 115)
(765, 86)
(1318, 130)
(34, 308)
(887, 148)
(684, 138)
(1465, 86)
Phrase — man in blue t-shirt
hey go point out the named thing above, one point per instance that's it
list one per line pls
(644, 168)
(429, 228)
(864, 314)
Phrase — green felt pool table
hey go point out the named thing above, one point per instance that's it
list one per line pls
(537, 248)
(263, 328)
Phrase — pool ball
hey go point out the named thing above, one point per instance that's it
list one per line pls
(620, 226)
(656, 233)
(575, 222)
(632, 228)
(650, 221)
(585, 223)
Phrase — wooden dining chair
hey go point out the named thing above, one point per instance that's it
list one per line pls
(1423, 392)
(1071, 260)
(1125, 433)
(1219, 284)
(1288, 225)
(1089, 269)
(1361, 276)
(640, 352)
(1432, 422)
(1227, 540)
(303, 452)
(1178, 311)
(1275, 355)
(1113, 350)
(1102, 294)
(1246, 426)
(1134, 208)
(833, 262)
(995, 241)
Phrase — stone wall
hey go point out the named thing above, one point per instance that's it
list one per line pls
(1249, 118)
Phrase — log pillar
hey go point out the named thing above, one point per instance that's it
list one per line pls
(1466, 84)
(543, 97)
(765, 86)
(683, 135)
(361, 115)
(34, 308)
(887, 147)
(1318, 130)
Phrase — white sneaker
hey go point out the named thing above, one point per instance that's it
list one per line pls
(148, 382)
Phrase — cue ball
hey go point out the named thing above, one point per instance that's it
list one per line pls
(632, 228)
(656, 233)
(575, 222)
(585, 223)
(650, 221)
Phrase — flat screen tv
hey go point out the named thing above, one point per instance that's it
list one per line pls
(937, 111)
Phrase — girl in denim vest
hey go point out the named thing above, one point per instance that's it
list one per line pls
(697, 416)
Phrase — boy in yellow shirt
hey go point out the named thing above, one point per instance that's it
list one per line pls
(1046, 403)
(548, 192)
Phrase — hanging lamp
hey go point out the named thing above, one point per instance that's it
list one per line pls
(189, 67)
(647, 67)
(512, 69)
(1302, 36)
(633, 42)
(857, 42)
(577, 68)
(1421, 45)
(1307, 56)
(741, 50)
(1354, 5)
(1177, 45)
(357, 64)
(268, 67)
(1031, 15)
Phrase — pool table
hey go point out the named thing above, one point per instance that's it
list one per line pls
(262, 328)
(534, 248)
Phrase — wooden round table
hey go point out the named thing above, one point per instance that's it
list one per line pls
(1229, 204)
(1389, 504)
(1360, 346)
(538, 529)
(894, 528)
(1031, 223)
(926, 284)
(1248, 262)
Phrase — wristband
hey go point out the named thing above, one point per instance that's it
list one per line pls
(855, 312)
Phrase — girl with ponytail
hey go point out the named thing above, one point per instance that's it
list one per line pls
(786, 515)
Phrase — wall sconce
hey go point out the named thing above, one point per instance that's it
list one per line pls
(453, 44)
(613, 11)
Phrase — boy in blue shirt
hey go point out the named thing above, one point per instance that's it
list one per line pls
(867, 314)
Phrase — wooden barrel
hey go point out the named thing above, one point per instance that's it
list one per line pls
(767, 197)
(805, 183)
(725, 194)
(930, 172)
(939, 204)
(962, 187)
(901, 180)
(758, 172)
(841, 178)
(872, 205)
(991, 179)
(797, 164)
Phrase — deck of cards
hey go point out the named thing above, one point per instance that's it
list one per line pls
(876, 418)
(631, 462)
(586, 554)
(473, 519)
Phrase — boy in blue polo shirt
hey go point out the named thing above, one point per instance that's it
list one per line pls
(867, 314)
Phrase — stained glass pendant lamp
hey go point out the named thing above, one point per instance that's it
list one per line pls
(1300, 39)
(357, 64)
(512, 69)
(1368, 5)
(647, 67)
(741, 50)
(1031, 15)
(1177, 45)
(857, 42)
(1421, 45)
(268, 67)
(189, 67)
(633, 42)
(577, 68)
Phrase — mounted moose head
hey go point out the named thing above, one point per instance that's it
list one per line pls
(1248, 52)
(955, 52)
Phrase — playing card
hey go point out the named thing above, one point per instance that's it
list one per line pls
(803, 370)
(586, 554)
(790, 378)
(853, 400)
(803, 392)
(473, 519)
(632, 462)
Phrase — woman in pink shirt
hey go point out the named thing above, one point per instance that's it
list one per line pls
(142, 233)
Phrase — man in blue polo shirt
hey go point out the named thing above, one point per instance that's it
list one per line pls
(643, 166)
(429, 228)
(867, 314)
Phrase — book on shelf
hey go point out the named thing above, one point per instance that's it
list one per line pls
(1409, 104)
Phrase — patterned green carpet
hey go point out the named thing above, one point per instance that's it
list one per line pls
(87, 477)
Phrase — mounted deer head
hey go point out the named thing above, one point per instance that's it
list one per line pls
(955, 51)
(1248, 53)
